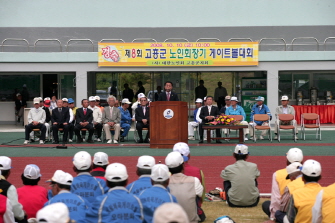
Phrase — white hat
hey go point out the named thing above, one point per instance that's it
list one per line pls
(160, 173)
(62, 178)
(293, 167)
(82, 160)
(65, 99)
(227, 97)
(47, 98)
(53, 213)
(116, 172)
(18, 94)
(294, 155)
(91, 98)
(311, 168)
(97, 98)
(100, 158)
(233, 99)
(259, 98)
(5, 163)
(205, 98)
(125, 101)
(174, 159)
(199, 100)
(284, 98)
(41, 99)
(32, 171)
(141, 95)
(182, 148)
(224, 219)
(241, 149)
(170, 212)
(36, 100)
(146, 162)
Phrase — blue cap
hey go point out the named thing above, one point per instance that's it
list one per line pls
(70, 100)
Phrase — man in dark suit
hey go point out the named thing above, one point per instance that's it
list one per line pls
(208, 114)
(84, 120)
(60, 119)
(142, 115)
(168, 95)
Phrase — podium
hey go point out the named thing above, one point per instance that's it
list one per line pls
(168, 123)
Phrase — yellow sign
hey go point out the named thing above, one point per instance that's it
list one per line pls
(178, 54)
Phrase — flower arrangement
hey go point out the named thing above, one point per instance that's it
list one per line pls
(224, 120)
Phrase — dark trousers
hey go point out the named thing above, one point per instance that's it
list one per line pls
(279, 215)
(89, 127)
(39, 126)
(201, 132)
(266, 208)
(227, 186)
(55, 132)
(139, 127)
(98, 130)
(221, 102)
(71, 129)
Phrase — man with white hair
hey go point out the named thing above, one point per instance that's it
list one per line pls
(195, 123)
(111, 117)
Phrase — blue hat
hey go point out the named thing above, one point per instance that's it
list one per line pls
(260, 98)
(70, 100)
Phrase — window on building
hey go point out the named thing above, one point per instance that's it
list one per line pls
(324, 82)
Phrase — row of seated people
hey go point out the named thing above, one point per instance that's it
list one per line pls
(90, 117)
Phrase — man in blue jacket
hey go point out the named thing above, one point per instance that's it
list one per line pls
(157, 195)
(259, 108)
(60, 187)
(84, 184)
(144, 166)
(125, 118)
(118, 205)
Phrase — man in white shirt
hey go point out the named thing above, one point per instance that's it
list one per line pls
(97, 117)
(36, 119)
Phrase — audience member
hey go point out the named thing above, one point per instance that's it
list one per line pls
(143, 171)
(303, 199)
(227, 102)
(71, 125)
(159, 91)
(61, 186)
(36, 119)
(219, 95)
(184, 188)
(54, 213)
(200, 91)
(127, 92)
(84, 120)
(137, 104)
(60, 119)
(118, 205)
(97, 103)
(65, 105)
(6, 208)
(195, 123)
(20, 105)
(111, 118)
(156, 195)
(323, 209)
(100, 163)
(53, 102)
(168, 95)
(125, 118)
(31, 196)
(240, 180)
(45, 105)
(170, 212)
(285, 108)
(140, 88)
(142, 117)
(112, 90)
(259, 108)
(97, 117)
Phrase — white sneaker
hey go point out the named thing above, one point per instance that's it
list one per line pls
(41, 142)
(115, 141)
(191, 138)
(70, 140)
(98, 139)
(109, 141)
(246, 139)
(26, 142)
(84, 139)
(276, 137)
(251, 137)
(296, 137)
(261, 137)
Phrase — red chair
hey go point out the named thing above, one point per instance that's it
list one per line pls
(262, 118)
(310, 117)
(286, 118)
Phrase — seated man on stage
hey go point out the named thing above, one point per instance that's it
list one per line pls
(111, 118)
(235, 109)
(84, 120)
(36, 119)
(125, 118)
(208, 114)
(97, 117)
(195, 123)
(259, 108)
(142, 115)
(71, 124)
(60, 119)
(168, 95)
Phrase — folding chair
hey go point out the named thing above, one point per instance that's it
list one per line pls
(103, 134)
(286, 118)
(136, 136)
(310, 117)
(262, 118)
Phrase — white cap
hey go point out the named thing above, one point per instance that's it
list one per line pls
(36, 100)
(160, 173)
(65, 99)
(170, 212)
(97, 98)
(224, 219)
(141, 95)
(100, 158)
(205, 98)
(32, 171)
(174, 159)
(41, 99)
(241, 149)
(91, 98)
(18, 94)
(182, 148)
(234, 99)
(311, 168)
(293, 167)
(284, 98)
(5, 163)
(116, 172)
(125, 101)
(53, 213)
(146, 162)
(294, 155)
(227, 97)
(199, 100)
(47, 98)
(259, 98)
(62, 178)
(82, 160)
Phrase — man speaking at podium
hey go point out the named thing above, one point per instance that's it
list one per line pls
(168, 95)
